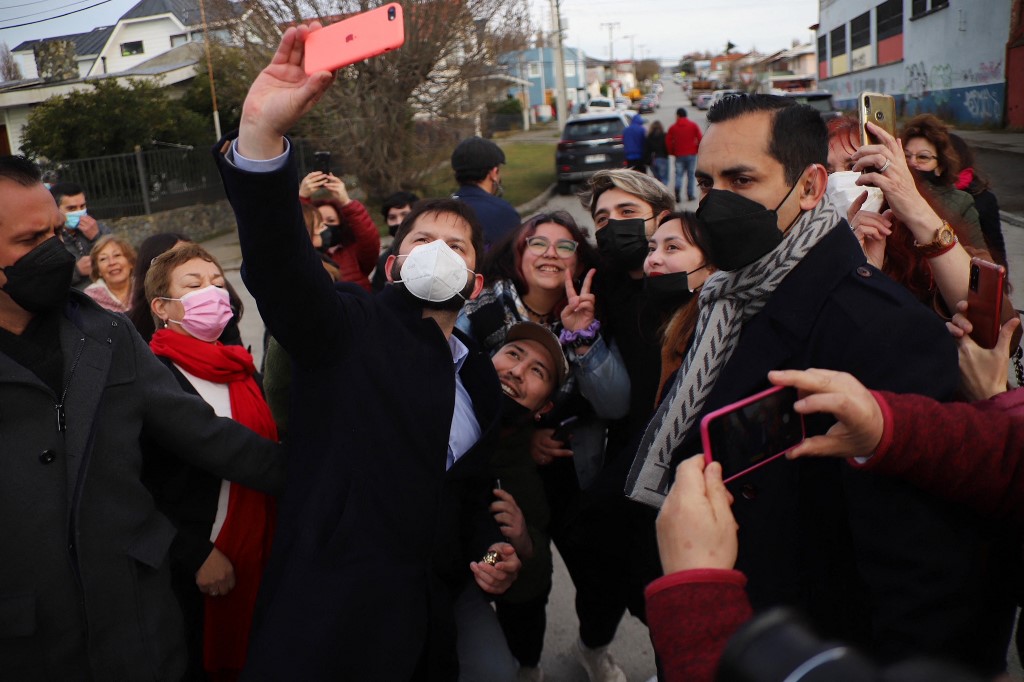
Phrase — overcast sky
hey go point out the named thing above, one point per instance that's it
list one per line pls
(666, 29)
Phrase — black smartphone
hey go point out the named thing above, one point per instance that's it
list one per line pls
(322, 162)
(752, 432)
(564, 430)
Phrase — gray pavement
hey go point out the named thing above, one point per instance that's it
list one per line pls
(631, 647)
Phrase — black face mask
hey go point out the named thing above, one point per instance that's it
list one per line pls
(40, 280)
(736, 230)
(331, 236)
(623, 243)
(512, 413)
(673, 287)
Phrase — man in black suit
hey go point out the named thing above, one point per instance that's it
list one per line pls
(384, 518)
(868, 559)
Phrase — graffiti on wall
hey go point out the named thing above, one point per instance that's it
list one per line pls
(982, 104)
(917, 81)
(987, 72)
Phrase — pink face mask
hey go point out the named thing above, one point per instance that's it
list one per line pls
(207, 312)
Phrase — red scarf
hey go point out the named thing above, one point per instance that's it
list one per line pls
(249, 527)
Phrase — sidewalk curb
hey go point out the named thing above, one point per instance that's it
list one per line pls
(532, 205)
(1012, 218)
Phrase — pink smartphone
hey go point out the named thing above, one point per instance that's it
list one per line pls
(985, 301)
(357, 38)
(750, 433)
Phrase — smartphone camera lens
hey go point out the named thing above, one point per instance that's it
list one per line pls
(879, 116)
(391, 14)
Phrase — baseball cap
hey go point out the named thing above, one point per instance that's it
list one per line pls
(476, 153)
(531, 331)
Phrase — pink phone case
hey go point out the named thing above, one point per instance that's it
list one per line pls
(355, 39)
(705, 437)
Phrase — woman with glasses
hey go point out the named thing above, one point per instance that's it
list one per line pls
(542, 273)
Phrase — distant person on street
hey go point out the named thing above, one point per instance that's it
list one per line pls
(633, 139)
(394, 208)
(656, 152)
(477, 164)
(81, 231)
(682, 140)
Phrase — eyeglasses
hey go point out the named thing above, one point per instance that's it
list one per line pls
(920, 157)
(564, 248)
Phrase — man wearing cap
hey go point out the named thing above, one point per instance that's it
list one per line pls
(477, 165)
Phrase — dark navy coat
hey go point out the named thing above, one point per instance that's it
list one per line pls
(497, 216)
(374, 537)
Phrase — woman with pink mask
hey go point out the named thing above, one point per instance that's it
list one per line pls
(224, 529)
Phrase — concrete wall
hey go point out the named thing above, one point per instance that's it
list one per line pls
(953, 61)
(199, 222)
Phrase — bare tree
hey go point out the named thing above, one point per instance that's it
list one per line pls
(394, 118)
(9, 69)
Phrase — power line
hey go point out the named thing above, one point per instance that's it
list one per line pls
(45, 11)
(40, 21)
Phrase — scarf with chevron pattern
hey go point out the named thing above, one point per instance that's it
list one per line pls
(727, 301)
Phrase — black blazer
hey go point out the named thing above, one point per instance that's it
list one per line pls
(870, 559)
(374, 537)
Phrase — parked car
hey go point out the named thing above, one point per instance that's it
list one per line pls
(590, 143)
(819, 99)
(646, 106)
(600, 105)
(703, 101)
(622, 103)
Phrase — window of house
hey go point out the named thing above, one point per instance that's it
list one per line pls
(132, 48)
(838, 37)
(197, 36)
(919, 8)
(860, 31)
(823, 55)
(889, 31)
(534, 70)
(570, 69)
(179, 39)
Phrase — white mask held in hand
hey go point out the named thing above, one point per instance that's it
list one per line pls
(843, 191)
(433, 272)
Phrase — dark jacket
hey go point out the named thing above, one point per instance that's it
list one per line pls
(869, 559)
(655, 147)
(374, 537)
(84, 584)
(497, 216)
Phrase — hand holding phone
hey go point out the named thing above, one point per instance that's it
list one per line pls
(322, 162)
(750, 433)
(985, 301)
(878, 109)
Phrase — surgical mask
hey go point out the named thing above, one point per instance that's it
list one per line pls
(72, 219)
(843, 191)
(738, 230)
(207, 312)
(623, 243)
(434, 272)
(674, 286)
(41, 279)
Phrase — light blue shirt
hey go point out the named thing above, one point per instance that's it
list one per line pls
(465, 429)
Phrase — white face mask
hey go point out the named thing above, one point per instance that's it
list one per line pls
(843, 191)
(433, 272)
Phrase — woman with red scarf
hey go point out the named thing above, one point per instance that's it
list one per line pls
(224, 529)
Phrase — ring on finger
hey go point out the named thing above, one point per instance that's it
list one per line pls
(885, 166)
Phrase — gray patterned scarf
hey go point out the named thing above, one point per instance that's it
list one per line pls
(727, 301)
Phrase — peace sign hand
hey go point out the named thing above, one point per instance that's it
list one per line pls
(578, 312)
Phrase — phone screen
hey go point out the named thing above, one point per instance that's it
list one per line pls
(751, 432)
(323, 161)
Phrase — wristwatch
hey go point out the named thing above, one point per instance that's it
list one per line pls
(945, 239)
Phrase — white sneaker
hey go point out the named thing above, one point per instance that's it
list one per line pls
(529, 673)
(598, 663)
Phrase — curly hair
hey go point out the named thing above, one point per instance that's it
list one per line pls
(931, 128)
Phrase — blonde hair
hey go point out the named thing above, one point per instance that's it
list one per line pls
(640, 185)
(94, 255)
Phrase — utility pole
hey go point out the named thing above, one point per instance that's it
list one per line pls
(560, 104)
(611, 46)
(209, 71)
(632, 50)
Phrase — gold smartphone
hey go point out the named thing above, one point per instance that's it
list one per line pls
(879, 109)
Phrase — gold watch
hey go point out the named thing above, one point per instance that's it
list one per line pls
(944, 240)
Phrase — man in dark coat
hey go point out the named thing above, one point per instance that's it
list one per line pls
(85, 583)
(477, 164)
(384, 519)
(869, 559)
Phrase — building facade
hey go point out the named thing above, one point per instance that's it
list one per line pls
(537, 65)
(946, 57)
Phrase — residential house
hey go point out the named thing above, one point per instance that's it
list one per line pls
(537, 66)
(790, 70)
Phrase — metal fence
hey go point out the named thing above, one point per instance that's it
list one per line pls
(144, 182)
